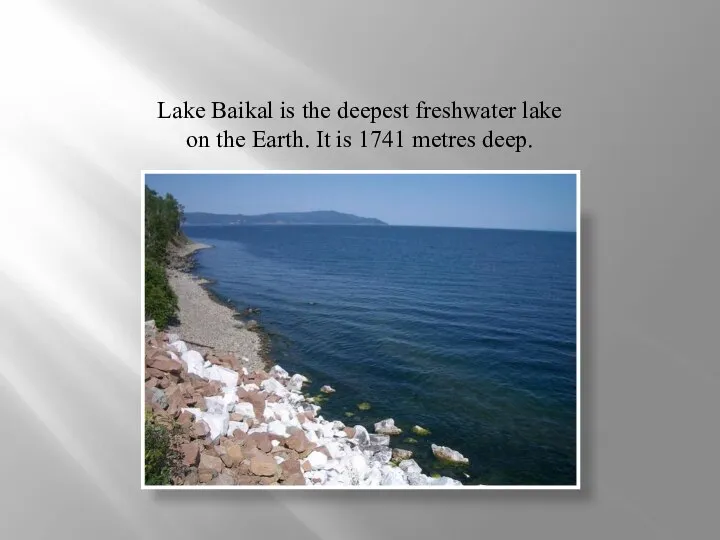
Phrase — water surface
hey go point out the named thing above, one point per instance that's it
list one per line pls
(468, 332)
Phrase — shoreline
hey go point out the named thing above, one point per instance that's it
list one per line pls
(205, 321)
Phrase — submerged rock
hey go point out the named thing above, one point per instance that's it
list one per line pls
(448, 454)
(419, 430)
(364, 406)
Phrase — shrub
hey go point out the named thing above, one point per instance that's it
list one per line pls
(160, 299)
(162, 459)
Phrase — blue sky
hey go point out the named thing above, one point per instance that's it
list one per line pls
(507, 201)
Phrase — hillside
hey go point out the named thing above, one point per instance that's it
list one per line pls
(323, 217)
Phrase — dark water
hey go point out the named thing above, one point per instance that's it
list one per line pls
(467, 332)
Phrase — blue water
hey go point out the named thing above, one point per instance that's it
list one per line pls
(470, 333)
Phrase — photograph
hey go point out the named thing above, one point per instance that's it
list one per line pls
(361, 330)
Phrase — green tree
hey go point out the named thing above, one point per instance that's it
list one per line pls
(163, 219)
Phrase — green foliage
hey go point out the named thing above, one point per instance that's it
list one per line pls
(163, 217)
(162, 459)
(160, 299)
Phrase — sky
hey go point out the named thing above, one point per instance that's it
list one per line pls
(502, 201)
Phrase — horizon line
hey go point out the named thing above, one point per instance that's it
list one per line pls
(573, 231)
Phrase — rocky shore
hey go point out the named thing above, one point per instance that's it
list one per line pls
(237, 427)
(234, 422)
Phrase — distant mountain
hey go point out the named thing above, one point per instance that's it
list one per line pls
(322, 217)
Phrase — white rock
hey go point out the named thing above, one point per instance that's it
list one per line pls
(217, 422)
(377, 439)
(262, 428)
(393, 476)
(410, 466)
(234, 426)
(295, 383)
(245, 359)
(373, 478)
(278, 459)
(278, 373)
(230, 396)
(443, 452)
(295, 398)
(277, 428)
(418, 480)
(327, 430)
(361, 435)
(357, 463)
(280, 411)
(226, 376)
(317, 460)
(274, 387)
(174, 356)
(335, 465)
(245, 409)
(179, 346)
(444, 481)
(172, 338)
(339, 480)
(335, 449)
(378, 454)
(216, 405)
(194, 362)
(274, 443)
(244, 371)
(250, 387)
(314, 427)
(320, 475)
(312, 437)
(387, 427)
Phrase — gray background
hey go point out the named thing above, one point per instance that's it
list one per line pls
(80, 82)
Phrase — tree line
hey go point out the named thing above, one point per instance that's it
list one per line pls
(163, 218)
